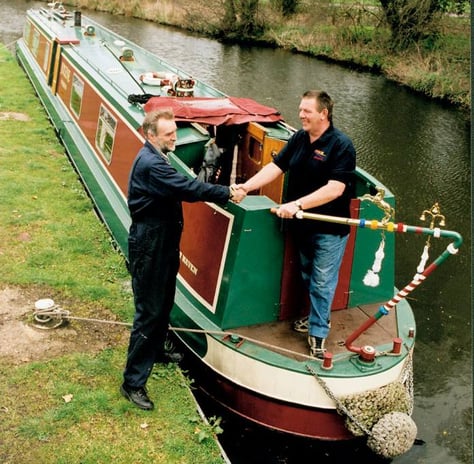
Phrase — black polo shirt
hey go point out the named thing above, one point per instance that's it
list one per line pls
(311, 166)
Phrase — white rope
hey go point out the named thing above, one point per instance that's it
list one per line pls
(423, 261)
(58, 315)
(372, 278)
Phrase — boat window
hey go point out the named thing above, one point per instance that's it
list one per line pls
(255, 150)
(47, 48)
(77, 92)
(35, 43)
(27, 33)
(105, 136)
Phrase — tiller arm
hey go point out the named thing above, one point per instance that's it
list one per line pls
(384, 225)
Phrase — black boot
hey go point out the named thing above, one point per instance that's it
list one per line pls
(138, 396)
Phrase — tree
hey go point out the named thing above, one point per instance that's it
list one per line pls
(410, 20)
(288, 7)
(241, 19)
(230, 17)
(248, 14)
(413, 20)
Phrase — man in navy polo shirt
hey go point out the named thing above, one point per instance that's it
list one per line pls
(320, 161)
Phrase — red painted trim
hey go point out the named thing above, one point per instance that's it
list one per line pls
(68, 41)
(298, 420)
(294, 300)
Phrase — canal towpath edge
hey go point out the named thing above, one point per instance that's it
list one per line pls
(63, 383)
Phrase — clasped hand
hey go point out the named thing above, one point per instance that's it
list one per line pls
(238, 193)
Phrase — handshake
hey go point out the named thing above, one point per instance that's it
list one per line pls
(237, 193)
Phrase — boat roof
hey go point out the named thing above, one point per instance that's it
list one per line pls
(215, 110)
(101, 55)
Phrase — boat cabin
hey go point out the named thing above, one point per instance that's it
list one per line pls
(239, 265)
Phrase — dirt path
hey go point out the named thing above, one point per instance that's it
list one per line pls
(21, 341)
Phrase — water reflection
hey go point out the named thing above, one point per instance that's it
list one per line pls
(421, 150)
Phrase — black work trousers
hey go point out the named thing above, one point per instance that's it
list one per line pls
(153, 256)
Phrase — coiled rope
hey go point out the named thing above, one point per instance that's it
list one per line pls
(47, 315)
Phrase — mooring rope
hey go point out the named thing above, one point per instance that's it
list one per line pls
(45, 316)
(379, 441)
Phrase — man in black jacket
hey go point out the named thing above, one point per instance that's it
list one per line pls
(156, 191)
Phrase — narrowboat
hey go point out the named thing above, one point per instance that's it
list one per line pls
(239, 288)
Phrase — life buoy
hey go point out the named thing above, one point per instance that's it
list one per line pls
(158, 79)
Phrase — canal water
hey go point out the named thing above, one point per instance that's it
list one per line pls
(418, 148)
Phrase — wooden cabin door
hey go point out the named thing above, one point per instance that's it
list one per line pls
(257, 150)
(294, 301)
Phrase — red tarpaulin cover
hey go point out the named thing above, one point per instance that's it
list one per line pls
(214, 110)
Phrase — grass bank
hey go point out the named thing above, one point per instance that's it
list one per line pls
(62, 405)
(348, 32)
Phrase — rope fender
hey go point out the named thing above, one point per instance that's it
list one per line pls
(383, 414)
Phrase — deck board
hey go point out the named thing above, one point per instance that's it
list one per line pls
(343, 323)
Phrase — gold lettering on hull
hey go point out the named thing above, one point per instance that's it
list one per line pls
(192, 268)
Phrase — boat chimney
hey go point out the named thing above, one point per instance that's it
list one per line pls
(77, 19)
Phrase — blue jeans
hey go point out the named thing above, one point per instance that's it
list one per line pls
(321, 257)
